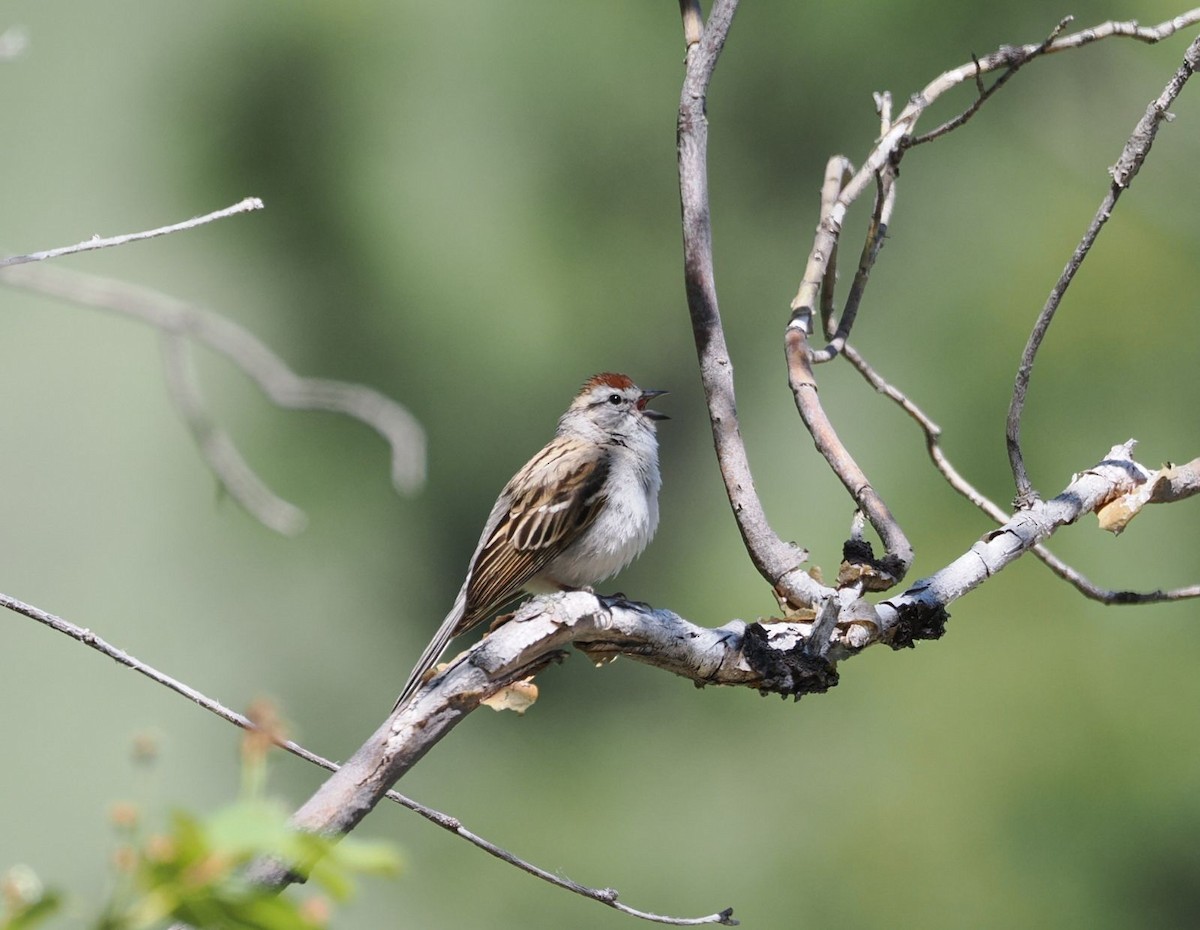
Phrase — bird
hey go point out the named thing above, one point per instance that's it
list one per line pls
(579, 511)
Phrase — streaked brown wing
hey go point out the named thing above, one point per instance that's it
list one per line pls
(553, 498)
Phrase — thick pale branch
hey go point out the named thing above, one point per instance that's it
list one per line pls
(1118, 474)
(785, 657)
(536, 636)
(779, 562)
(789, 657)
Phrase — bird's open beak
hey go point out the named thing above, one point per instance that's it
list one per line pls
(648, 396)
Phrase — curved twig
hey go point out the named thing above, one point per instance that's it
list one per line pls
(885, 199)
(1020, 58)
(1115, 475)
(217, 448)
(1132, 156)
(779, 562)
(897, 134)
(889, 570)
(1173, 483)
(820, 272)
(179, 320)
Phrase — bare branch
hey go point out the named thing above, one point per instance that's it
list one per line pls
(1106, 595)
(837, 173)
(875, 575)
(179, 320)
(779, 562)
(1173, 483)
(1129, 29)
(932, 433)
(881, 214)
(897, 134)
(537, 635)
(96, 242)
(789, 657)
(606, 896)
(1132, 156)
(860, 567)
(1116, 475)
(217, 448)
(1020, 58)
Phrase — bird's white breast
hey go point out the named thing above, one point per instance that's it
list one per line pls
(622, 529)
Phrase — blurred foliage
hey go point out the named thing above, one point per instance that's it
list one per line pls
(472, 207)
(192, 871)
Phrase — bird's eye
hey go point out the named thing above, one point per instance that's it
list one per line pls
(614, 398)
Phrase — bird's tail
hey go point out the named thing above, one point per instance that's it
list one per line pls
(433, 652)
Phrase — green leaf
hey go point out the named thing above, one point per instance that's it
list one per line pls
(30, 915)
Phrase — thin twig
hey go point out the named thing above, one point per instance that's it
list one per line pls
(1020, 58)
(606, 896)
(1129, 29)
(1132, 156)
(96, 242)
(178, 320)
(925, 601)
(964, 487)
(820, 272)
(881, 213)
(897, 134)
(1110, 596)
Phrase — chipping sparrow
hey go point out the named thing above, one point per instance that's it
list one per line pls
(578, 512)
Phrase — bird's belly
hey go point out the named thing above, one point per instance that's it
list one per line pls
(620, 533)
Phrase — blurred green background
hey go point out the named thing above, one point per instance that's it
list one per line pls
(471, 207)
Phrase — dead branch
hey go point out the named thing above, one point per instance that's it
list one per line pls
(786, 657)
(607, 896)
(790, 656)
(96, 242)
(875, 575)
(779, 562)
(1132, 157)
(1116, 475)
(182, 322)
(1173, 483)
